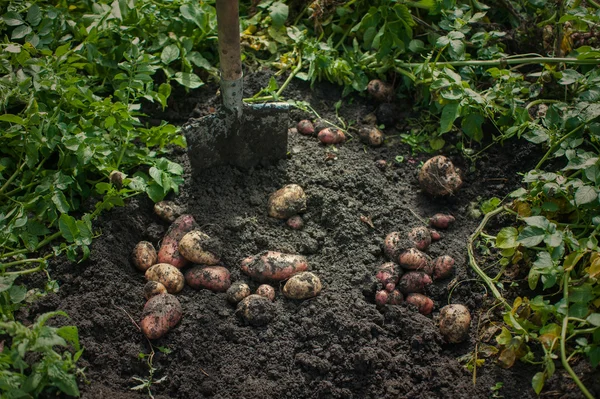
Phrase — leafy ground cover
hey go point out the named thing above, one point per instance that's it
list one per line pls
(77, 77)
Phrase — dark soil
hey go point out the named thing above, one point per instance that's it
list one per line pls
(337, 345)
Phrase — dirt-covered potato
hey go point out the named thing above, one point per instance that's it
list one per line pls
(455, 321)
(168, 275)
(168, 211)
(413, 282)
(169, 248)
(321, 124)
(214, 278)
(435, 235)
(267, 291)
(116, 178)
(306, 127)
(295, 222)
(388, 274)
(381, 164)
(256, 310)
(197, 247)
(144, 255)
(271, 265)
(423, 303)
(394, 244)
(382, 297)
(238, 291)
(380, 91)
(413, 259)
(371, 135)
(331, 135)
(439, 177)
(302, 286)
(420, 237)
(441, 220)
(287, 202)
(442, 267)
(161, 313)
(153, 288)
(395, 298)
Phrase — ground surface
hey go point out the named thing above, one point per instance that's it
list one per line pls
(337, 345)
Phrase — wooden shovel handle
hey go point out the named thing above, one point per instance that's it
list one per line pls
(228, 25)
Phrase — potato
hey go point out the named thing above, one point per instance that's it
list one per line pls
(371, 136)
(168, 275)
(394, 244)
(321, 124)
(238, 291)
(144, 255)
(413, 282)
(380, 91)
(161, 313)
(439, 177)
(395, 298)
(420, 237)
(423, 303)
(302, 286)
(382, 297)
(153, 288)
(267, 291)
(455, 321)
(331, 135)
(287, 202)
(256, 310)
(413, 259)
(116, 178)
(271, 265)
(441, 220)
(215, 278)
(381, 164)
(435, 235)
(387, 275)
(295, 222)
(306, 127)
(198, 247)
(168, 211)
(169, 249)
(442, 267)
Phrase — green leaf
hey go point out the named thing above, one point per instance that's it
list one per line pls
(507, 238)
(20, 32)
(70, 334)
(449, 115)
(169, 54)
(537, 221)
(581, 294)
(594, 319)
(471, 125)
(188, 79)
(279, 13)
(531, 236)
(68, 227)
(585, 195)
(155, 192)
(12, 119)
(537, 382)
(34, 15)
(193, 13)
(543, 261)
(569, 76)
(6, 282)
(12, 18)
(60, 201)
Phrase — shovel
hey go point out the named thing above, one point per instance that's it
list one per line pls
(237, 134)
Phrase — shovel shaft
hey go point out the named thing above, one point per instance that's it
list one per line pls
(228, 25)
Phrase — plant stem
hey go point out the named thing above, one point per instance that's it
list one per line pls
(3, 266)
(40, 245)
(552, 149)
(282, 88)
(563, 339)
(22, 272)
(13, 177)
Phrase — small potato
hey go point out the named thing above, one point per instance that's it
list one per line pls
(441, 220)
(116, 178)
(256, 310)
(413, 259)
(168, 275)
(442, 267)
(439, 177)
(420, 237)
(267, 291)
(423, 303)
(388, 274)
(168, 211)
(331, 136)
(302, 286)
(214, 278)
(197, 247)
(395, 298)
(306, 127)
(455, 321)
(287, 202)
(381, 164)
(382, 297)
(238, 291)
(394, 244)
(271, 265)
(144, 255)
(435, 235)
(161, 313)
(321, 124)
(169, 248)
(153, 288)
(380, 91)
(295, 222)
(413, 282)
(371, 136)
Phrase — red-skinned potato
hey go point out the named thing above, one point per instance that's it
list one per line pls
(455, 321)
(413, 282)
(256, 310)
(238, 291)
(196, 247)
(420, 237)
(169, 248)
(371, 135)
(395, 298)
(331, 135)
(287, 202)
(435, 235)
(423, 303)
(388, 274)
(394, 244)
(144, 255)
(271, 265)
(295, 222)
(442, 267)
(439, 177)
(267, 291)
(382, 297)
(413, 259)
(380, 91)
(321, 124)
(168, 210)
(214, 278)
(168, 275)
(161, 313)
(306, 127)
(153, 288)
(302, 286)
(441, 220)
